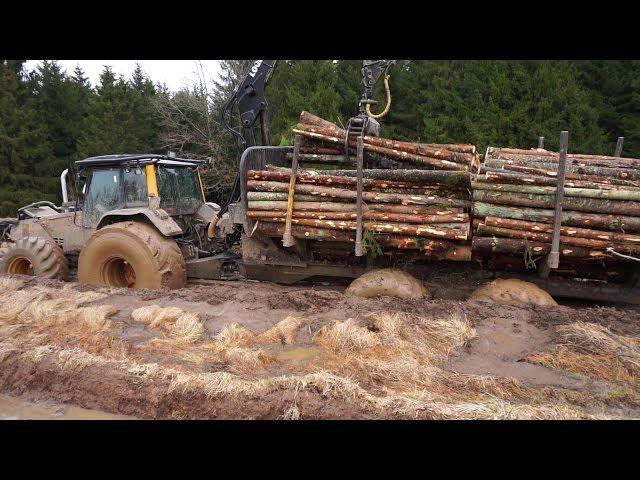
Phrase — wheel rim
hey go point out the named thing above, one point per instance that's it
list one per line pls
(117, 272)
(21, 266)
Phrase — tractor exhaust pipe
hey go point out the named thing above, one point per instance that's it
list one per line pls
(63, 184)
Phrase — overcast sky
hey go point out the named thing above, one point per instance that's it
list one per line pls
(175, 73)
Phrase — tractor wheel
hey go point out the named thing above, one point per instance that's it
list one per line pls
(131, 254)
(34, 256)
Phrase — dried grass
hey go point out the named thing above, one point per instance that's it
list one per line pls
(596, 366)
(597, 339)
(187, 328)
(282, 332)
(235, 335)
(246, 359)
(8, 284)
(97, 317)
(346, 336)
(6, 348)
(291, 413)
(15, 302)
(156, 316)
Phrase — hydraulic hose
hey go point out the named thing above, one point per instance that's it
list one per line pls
(376, 116)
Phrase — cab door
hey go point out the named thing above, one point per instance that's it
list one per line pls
(104, 193)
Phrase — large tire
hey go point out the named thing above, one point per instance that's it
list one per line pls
(131, 254)
(34, 256)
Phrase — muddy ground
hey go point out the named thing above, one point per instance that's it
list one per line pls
(258, 350)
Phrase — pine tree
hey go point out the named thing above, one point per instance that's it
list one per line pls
(118, 121)
(24, 147)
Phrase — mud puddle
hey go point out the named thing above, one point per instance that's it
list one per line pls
(14, 408)
(502, 345)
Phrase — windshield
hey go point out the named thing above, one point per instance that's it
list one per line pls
(179, 190)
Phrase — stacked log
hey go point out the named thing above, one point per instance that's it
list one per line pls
(420, 203)
(323, 143)
(514, 201)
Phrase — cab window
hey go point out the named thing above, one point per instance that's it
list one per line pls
(103, 194)
(179, 189)
(134, 182)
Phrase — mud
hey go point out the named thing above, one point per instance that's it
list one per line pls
(16, 408)
(505, 336)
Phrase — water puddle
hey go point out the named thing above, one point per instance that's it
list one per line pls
(14, 408)
(295, 354)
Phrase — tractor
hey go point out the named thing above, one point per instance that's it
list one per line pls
(138, 221)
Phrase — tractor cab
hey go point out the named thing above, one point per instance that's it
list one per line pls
(121, 182)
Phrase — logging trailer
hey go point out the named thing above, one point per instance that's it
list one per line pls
(142, 220)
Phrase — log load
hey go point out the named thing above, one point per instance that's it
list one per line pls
(416, 197)
(514, 200)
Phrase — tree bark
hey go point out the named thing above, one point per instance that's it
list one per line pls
(572, 172)
(591, 243)
(370, 215)
(596, 205)
(451, 231)
(439, 249)
(326, 136)
(278, 196)
(624, 193)
(625, 173)
(323, 158)
(612, 237)
(312, 122)
(576, 164)
(319, 206)
(440, 177)
(504, 176)
(281, 174)
(569, 218)
(378, 197)
(576, 177)
(490, 245)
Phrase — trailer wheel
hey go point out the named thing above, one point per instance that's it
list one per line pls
(34, 256)
(131, 254)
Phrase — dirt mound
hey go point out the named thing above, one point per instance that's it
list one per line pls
(388, 282)
(512, 292)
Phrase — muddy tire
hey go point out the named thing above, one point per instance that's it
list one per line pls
(34, 256)
(388, 282)
(131, 254)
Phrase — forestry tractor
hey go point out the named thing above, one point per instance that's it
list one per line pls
(142, 220)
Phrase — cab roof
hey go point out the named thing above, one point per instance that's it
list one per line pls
(137, 159)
